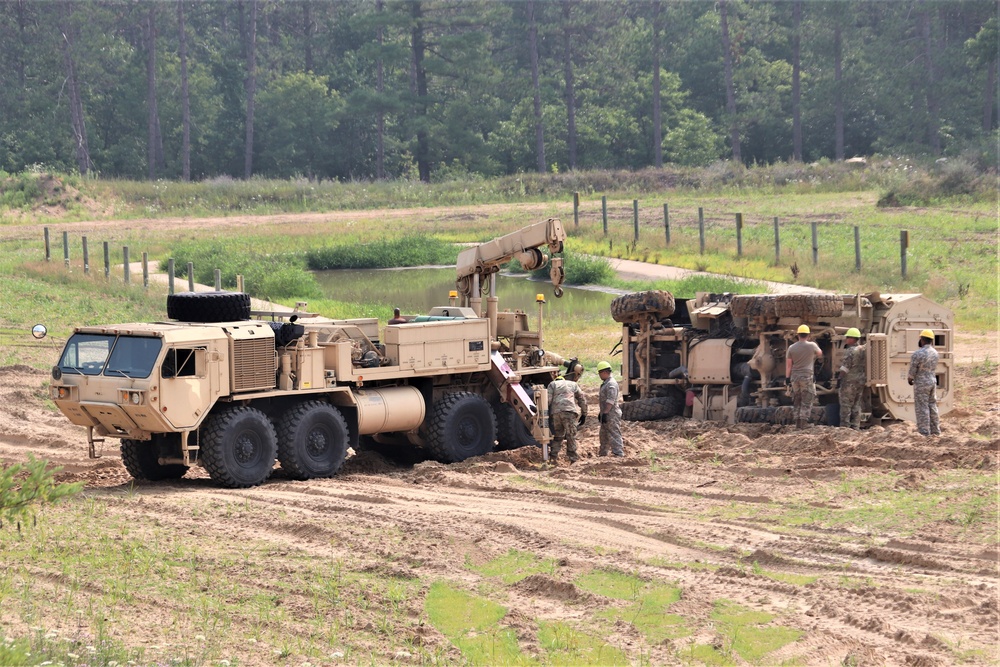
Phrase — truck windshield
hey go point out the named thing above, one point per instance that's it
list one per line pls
(119, 356)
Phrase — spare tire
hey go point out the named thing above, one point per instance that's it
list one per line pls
(752, 305)
(754, 414)
(640, 306)
(809, 305)
(208, 306)
(653, 409)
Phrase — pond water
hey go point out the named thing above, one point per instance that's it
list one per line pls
(416, 291)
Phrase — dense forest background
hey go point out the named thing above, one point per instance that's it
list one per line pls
(435, 89)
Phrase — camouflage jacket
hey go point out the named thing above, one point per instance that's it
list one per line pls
(853, 365)
(923, 364)
(609, 394)
(566, 396)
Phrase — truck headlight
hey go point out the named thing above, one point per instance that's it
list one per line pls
(129, 396)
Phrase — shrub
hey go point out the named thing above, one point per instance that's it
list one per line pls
(382, 254)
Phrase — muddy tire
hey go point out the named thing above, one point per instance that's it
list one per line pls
(752, 305)
(461, 426)
(511, 431)
(312, 440)
(140, 459)
(640, 306)
(809, 305)
(208, 306)
(239, 447)
(754, 414)
(653, 409)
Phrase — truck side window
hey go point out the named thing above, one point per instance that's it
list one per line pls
(180, 362)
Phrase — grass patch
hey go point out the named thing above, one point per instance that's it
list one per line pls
(787, 577)
(746, 632)
(382, 254)
(649, 602)
(567, 646)
(472, 624)
(514, 566)
(46, 647)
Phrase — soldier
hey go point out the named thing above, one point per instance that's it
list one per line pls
(611, 414)
(396, 317)
(568, 410)
(852, 380)
(799, 364)
(924, 382)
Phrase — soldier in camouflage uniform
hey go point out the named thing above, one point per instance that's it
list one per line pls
(568, 410)
(800, 363)
(922, 366)
(611, 413)
(852, 380)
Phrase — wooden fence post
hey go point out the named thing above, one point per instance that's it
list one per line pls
(107, 262)
(239, 283)
(48, 249)
(701, 228)
(86, 257)
(170, 276)
(218, 280)
(777, 243)
(190, 276)
(666, 222)
(125, 265)
(576, 209)
(145, 270)
(857, 248)
(815, 244)
(604, 212)
(739, 235)
(635, 220)
(66, 249)
(904, 244)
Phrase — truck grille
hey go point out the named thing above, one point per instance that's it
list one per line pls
(253, 364)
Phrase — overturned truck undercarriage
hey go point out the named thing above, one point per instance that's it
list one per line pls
(721, 357)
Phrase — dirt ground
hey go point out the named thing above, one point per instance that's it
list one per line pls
(695, 504)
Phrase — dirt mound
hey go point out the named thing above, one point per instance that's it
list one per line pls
(521, 458)
(20, 369)
(540, 585)
(368, 462)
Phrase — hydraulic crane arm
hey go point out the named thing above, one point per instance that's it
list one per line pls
(524, 245)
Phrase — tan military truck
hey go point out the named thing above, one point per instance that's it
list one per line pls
(721, 357)
(216, 388)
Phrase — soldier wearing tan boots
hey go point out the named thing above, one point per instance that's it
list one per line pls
(800, 363)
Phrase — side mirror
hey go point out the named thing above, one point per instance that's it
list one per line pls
(39, 331)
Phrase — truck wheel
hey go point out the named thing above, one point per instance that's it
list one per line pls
(754, 414)
(653, 409)
(511, 431)
(809, 305)
(461, 426)
(312, 440)
(639, 306)
(238, 447)
(208, 306)
(752, 305)
(140, 459)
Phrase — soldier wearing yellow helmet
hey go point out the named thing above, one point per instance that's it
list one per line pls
(923, 363)
(611, 415)
(852, 379)
(800, 361)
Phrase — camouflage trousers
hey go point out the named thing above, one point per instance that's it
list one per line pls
(611, 434)
(563, 427)
(803, 397)
(850, 404)
(925, 404)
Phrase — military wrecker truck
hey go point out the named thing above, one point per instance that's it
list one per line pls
(216, 388)
(721, 357)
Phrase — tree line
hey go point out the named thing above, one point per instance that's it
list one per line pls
(432, 89)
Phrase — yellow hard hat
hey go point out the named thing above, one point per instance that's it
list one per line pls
(927, 333)
(803, 328)
(603, 366)
(853, 333)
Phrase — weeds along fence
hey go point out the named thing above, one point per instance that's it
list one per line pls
(126, 264)
(731, 231)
